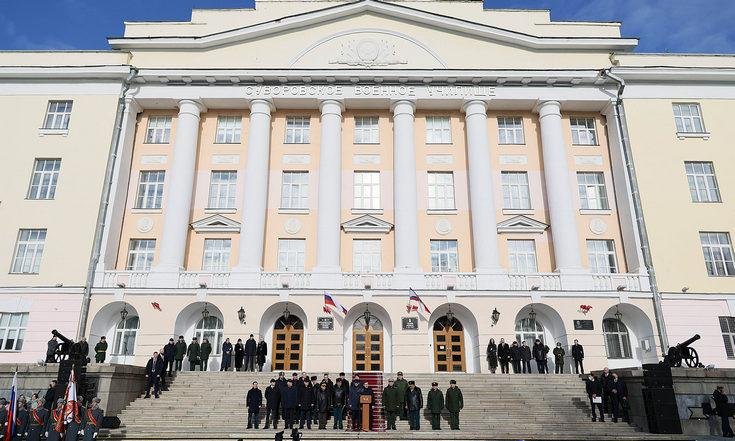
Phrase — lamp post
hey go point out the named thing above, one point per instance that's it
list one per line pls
(532, 315)
(450, 315)
(367, 317)
(618, 315)
(495, 316)
(205, 312)
(241, 315)
(286, 313)
(124, 312)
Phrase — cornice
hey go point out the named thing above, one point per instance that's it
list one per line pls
(103, 72)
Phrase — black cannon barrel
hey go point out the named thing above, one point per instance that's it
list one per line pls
(690, 341)
(61, 337)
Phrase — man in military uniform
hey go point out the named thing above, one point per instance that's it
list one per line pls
(21, 421)
(55, 427)
(75, 426)
(402, 386)
(93, 420)
(454, 403)
(192, 353)
(100, 350)
(435, 404)
(392, 403)
(37, 422)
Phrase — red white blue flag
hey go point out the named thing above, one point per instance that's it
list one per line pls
(331, 301)
(12, 409)
(414, 300)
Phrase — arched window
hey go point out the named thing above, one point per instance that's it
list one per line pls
(375, 324)
(528, 330)
(211, 329)
(125, 335)
(617, 340)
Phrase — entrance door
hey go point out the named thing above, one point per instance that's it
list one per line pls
(367, 344)
(448, 345)
(288, 343)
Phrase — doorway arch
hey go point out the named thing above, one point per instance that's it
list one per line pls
(541, 321)
(449, 353)
(629, 337)
(470, 335)
(191, 322)
(367, 344)
(269, 323)
(121, 334)
(351, 320)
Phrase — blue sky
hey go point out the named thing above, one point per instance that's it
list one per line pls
(662, 25)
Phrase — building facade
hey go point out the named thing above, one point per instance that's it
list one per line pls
(373, 150)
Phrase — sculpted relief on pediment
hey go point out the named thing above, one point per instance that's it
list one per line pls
(368, 52)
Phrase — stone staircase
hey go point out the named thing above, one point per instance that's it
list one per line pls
(211, 406)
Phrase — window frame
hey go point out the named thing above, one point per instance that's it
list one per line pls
(452, 255)
(524, 254)
(361, 201)
(691, 118)
(622, 336)
(300, 134)
(584, 128)
(123, 333)
(522, 190)
(136, 254)
(303, 190)
(45, 189)
(230, 134)
(728, 335)
(725, 250)
(372, 131)
(435, 202)
(514, 130)
(600, 189)
(37, 246)
(64, 116)
(298, 251)
(704, 181)
(158, 135)
(432, 129)
(216, 259)
(19, 330)
(373, 256)
(150, 190)
(596, 255)
(222, 193)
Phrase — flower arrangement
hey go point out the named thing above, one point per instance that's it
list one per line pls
(584, 309)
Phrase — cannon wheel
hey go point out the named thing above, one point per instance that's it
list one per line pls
(60, 356)
(692, 358)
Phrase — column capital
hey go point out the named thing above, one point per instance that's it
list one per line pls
(264, 106)
(403, 107)
(474, 106)
(331, 107)
(547, 107)
(192, 107)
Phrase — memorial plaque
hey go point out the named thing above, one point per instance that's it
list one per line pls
(410, 323)
(325, 323)
(583, 325)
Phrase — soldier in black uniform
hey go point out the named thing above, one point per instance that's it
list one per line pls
(93, 420)
(21, 421)
(75, 426)
(37, 422)
(55, 425)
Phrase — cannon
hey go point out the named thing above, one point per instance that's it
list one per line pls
(682, 352)
(68, 349)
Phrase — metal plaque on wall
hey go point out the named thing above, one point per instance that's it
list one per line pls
(325, 323)
(584, 325)
(410, 323)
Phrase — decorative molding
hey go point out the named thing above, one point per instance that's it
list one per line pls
(216, 224)
(366, 159)
(225, 159)
(443, 226)
(367, 224)
(522, 224)
(587, 160)
(145, 224)
(153, 159)
(439, 159)
(296, 159)
(292, 226)
(598, 226)
(368, 52)
(513, 159)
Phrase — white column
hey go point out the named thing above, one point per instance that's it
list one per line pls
(179, 190)
(404, 189)
(255, 199)
(482, 203)
(559, 189)
(330, 189)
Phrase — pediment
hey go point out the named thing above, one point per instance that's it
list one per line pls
(521, 224)
(216, 224)
(367, 224)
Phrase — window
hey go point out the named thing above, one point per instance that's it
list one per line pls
(601, 255)
(28, 251)
(222, 188)
(159, 130)
(57, 115)
(210, 328)
(717, 250)
(366, 130)
(592, 192)
(216, 255)
(12, 330)
(438, 130)
(510, 130)
(529, 330)
(444, 256)
(125, 336)
(702, 182)
(150, 189)
(229, 130)
(44, 179)
(297, 130)
(516, 194)
(727, 326)
(295, 190)
(617, 340)
(291, 254)
(140, 254)
(688, 118)
(367, 190)
(522, 256)
(583, 131)
(441, 191)
(366, 256)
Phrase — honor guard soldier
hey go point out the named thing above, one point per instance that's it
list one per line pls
(93, 420)
(21, 422)
(454, 403)
(55, 429)
(75, 426)
(100, 350)
(435, 404)
(392, 403)
(37, 422)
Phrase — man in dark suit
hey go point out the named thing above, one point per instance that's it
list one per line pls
(578, 356)
(153, 371)
(250, 352)
(723, 410)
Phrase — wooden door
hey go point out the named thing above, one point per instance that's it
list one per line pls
(448, 345)
(367, 345)
(288, 344)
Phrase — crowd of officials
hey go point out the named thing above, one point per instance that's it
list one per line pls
(519, 356)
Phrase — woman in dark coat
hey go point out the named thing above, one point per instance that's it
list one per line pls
(226, 355)
(492, 355)
(239, 354)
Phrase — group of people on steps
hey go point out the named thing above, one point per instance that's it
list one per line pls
(519, 356)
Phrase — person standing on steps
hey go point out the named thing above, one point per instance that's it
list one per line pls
(164, 387)
(153, 370)
(100, 350)
(723, 410)
(454, 402)
(619, 398)
(540, 352)
(515, 357)
(435, 405)
(250, 350)
(525, 358)
(306, 403)
(93, 420)
(339, 401)
(606, 379)
(206, 351)
(51, 348)
(271, 404)
(169, 353)
(253, 401)
(559, 359)
(414, 404)
(355, 407)
(402, 386)
(503, 356)
(193, 352)
(391, 403)
(180, 353)
(50, 396)
(261, 351)
(323, 404)
(492, 356)
(290, 402)
(239, 354)
(595, 394)
(578, 356)
(226, 355)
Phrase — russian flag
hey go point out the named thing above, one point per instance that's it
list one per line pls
(331, 301)
(413, 297)
(12, 409)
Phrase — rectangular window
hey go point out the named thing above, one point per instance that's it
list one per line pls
(58, 114)
(229, 130)
(366, 130)
(592, 191)
(297, 130)
(688, 118)
(291, 255)
(366, 256)
(510, 130)
(295, 190)
(438, 130)
(717, 250)
(441, 190)
(601, 254)
(367, 190)
(727, 326)
(516, 194)
(159, 130)
(150, 189)
(28, 251)
(44, 179)
(216, 255)
(702, 181)
(444, 256)
(522, 256)
(140, 254)
(12, 330)
(583, 131)
(222, 188)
